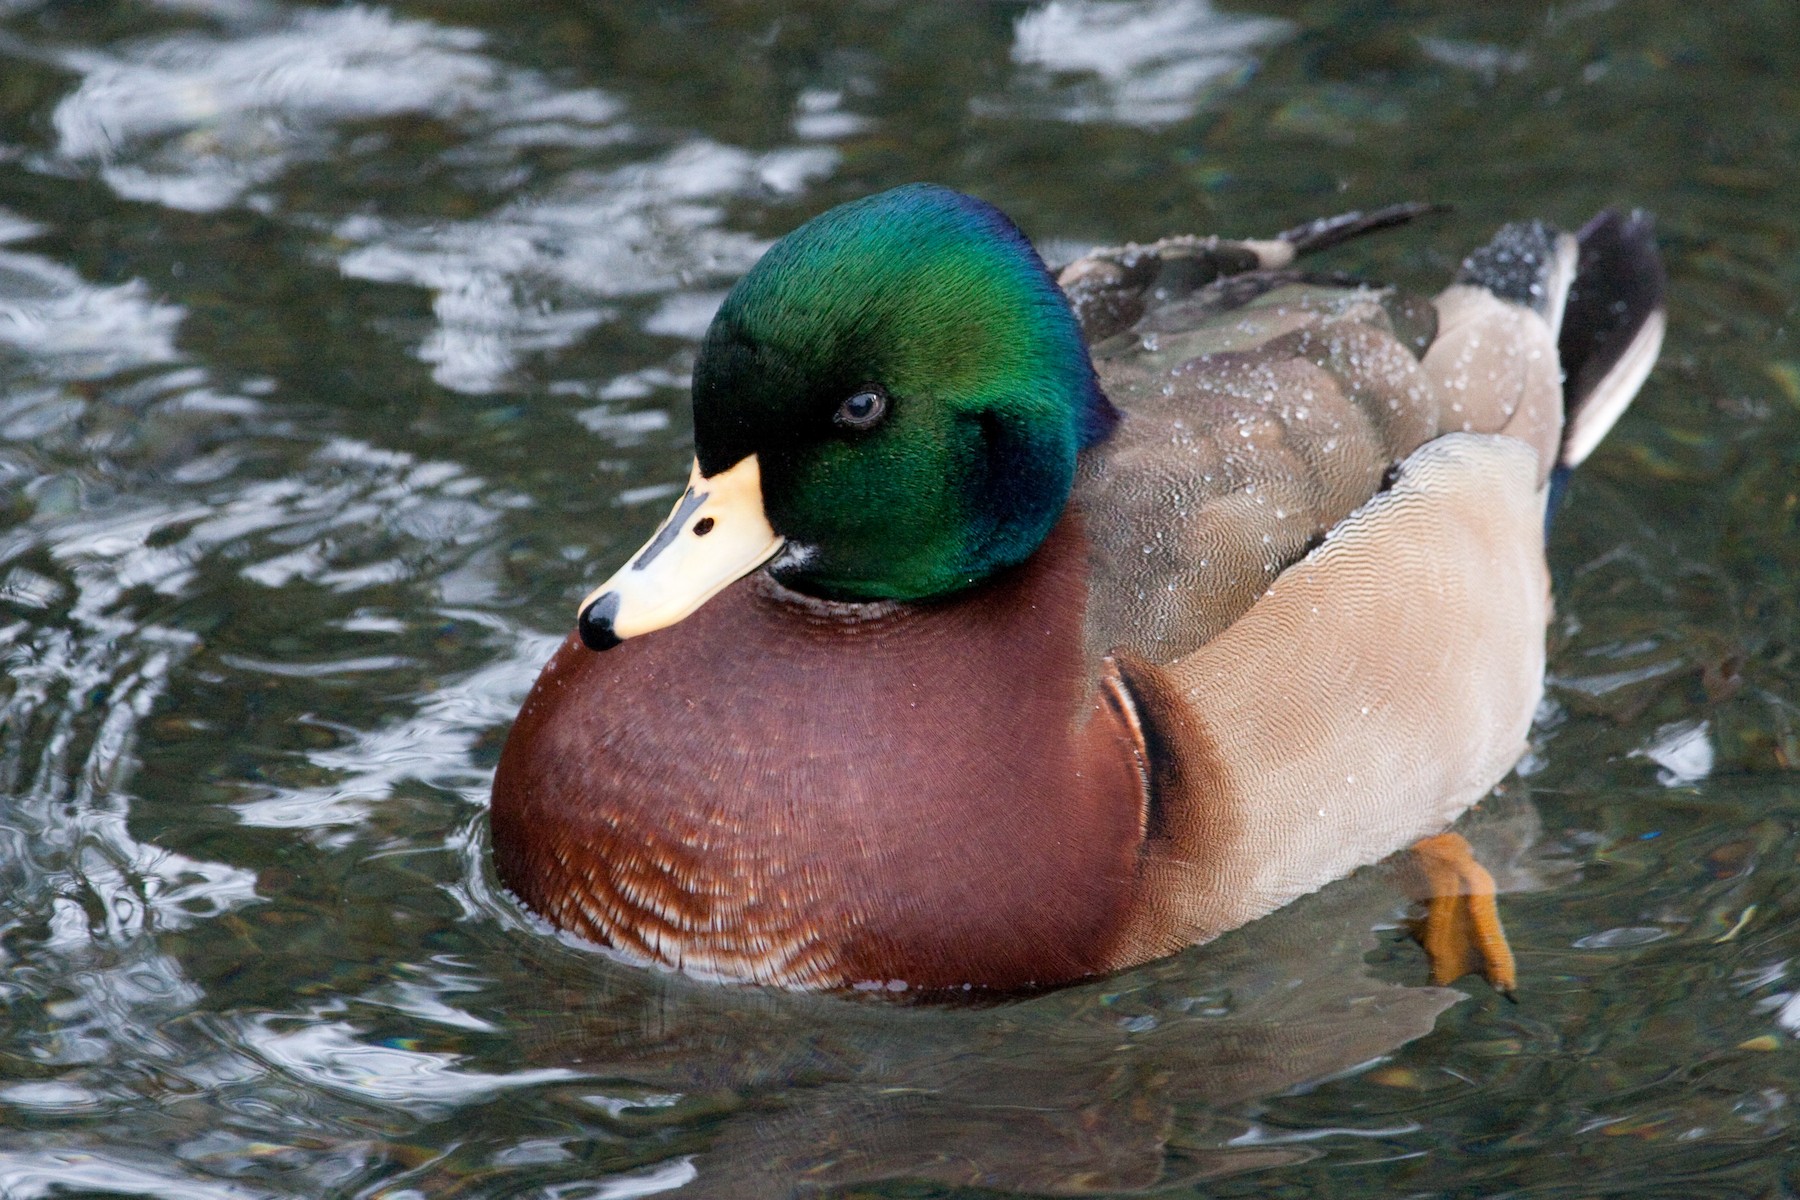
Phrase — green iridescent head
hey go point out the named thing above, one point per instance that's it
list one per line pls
(916, 390)
(890, 404)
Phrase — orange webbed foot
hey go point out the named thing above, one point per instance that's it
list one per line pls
(1461, 931)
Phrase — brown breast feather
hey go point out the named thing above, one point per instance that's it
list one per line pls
(776, 791)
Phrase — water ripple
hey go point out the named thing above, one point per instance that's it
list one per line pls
(195, 122)
(68, 328)
(328, 1054)
(1135, 62)
(524, 278)
(35, 1174)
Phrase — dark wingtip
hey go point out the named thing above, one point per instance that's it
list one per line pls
(1327, 232)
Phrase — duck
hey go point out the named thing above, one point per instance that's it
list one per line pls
(1017, 627)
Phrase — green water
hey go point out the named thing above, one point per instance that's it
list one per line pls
(343, 349)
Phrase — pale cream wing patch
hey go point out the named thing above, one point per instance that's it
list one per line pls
(1384, 683)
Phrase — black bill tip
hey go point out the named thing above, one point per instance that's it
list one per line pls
(596, 623)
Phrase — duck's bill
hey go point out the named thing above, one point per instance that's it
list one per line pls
(717, 534)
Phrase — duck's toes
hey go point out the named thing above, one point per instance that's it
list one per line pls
(1461, 931)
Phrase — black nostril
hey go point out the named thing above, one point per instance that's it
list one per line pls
(596, 623)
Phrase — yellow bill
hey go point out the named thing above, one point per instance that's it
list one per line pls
(718, 533)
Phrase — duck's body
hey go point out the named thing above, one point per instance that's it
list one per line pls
(1288, 617)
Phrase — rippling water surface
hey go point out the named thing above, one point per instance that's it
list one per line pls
(343, 348)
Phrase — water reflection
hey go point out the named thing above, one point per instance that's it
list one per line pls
(85, 905)
(202, 123)
(196, 122)
(1106, 1089)
(330, 1055)
(35, 1174)
(1139, 62)
(66, 328)
(342, 783)
(1682, 751)
(524, 278)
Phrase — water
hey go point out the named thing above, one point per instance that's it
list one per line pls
(343, 349)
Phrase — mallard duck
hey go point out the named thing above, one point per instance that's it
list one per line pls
(1014, 628)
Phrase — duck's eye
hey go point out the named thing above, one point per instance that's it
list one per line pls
(863, 410)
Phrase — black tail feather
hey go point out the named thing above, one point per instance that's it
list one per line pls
(1619, 284)
(1327, 232)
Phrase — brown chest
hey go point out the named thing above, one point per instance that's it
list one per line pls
(776, 791)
